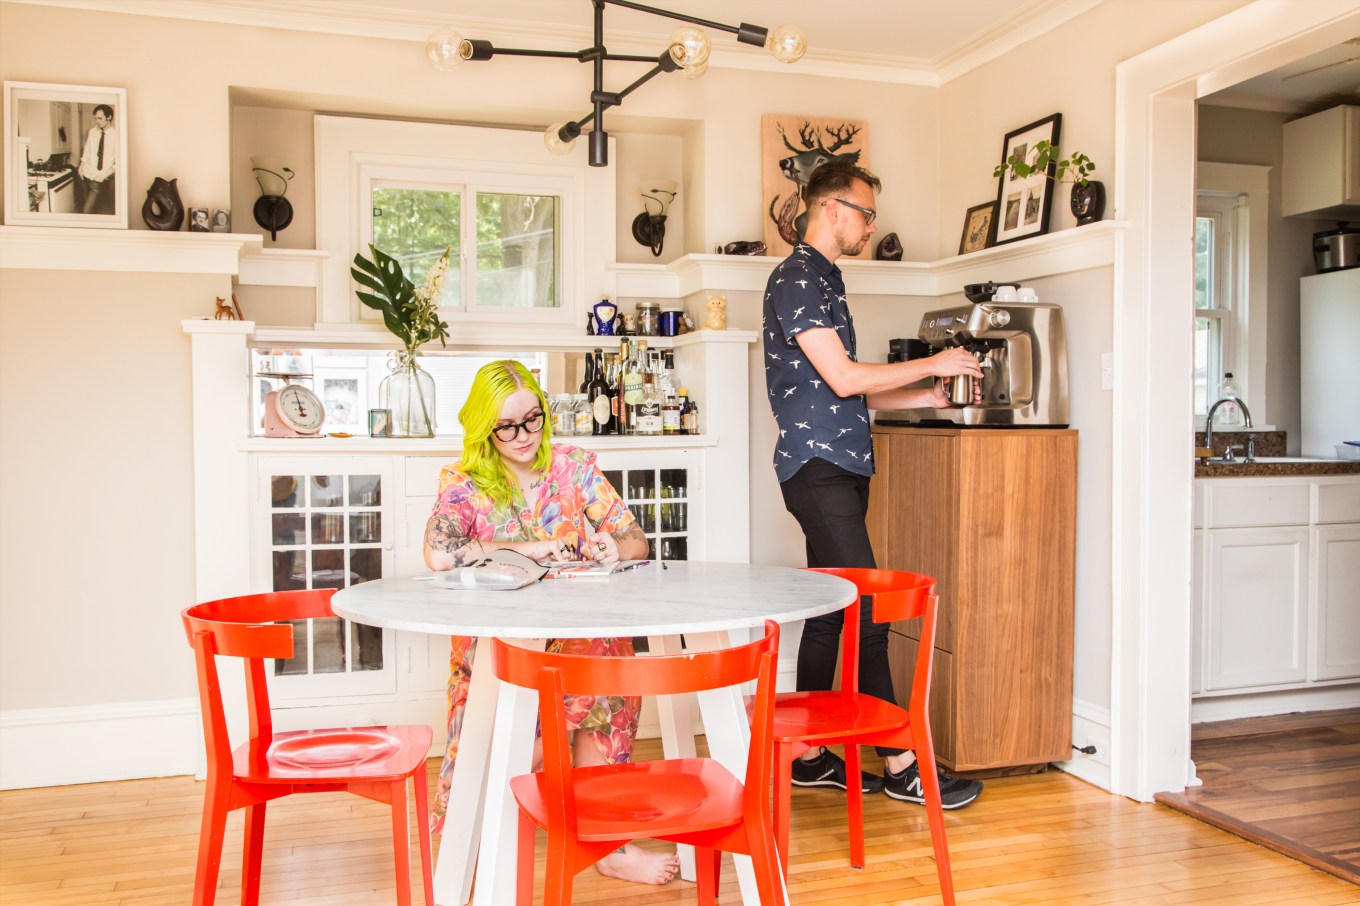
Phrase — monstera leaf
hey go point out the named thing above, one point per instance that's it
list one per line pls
(407, 312)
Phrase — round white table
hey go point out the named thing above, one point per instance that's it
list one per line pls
(714, 605)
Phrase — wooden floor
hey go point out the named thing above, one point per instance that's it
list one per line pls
(1038, 839)
(1291, 783)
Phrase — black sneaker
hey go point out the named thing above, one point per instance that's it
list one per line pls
(955, 792)
(828, 769)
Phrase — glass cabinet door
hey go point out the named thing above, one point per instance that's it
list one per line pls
(326, 524)
(660, 499)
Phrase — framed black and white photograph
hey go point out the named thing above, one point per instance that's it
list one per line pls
(198, 220)
(221, 221)
(1023, 203)
(65, 155)
(979, 228)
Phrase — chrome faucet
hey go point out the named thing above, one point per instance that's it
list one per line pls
(1209, 431)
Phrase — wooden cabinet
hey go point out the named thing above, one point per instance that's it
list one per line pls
(991, 514)
(1320, 176)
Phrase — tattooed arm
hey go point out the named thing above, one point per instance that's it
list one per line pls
(447, 546)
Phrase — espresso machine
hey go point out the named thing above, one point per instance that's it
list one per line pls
(1022, 348)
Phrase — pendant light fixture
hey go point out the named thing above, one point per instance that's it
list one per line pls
(687, 51)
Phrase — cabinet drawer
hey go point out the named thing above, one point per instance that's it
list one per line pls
(1338, 502)
(1258, 501)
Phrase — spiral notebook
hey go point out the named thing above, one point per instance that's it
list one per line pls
(502, 570)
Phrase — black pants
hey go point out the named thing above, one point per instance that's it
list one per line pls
(831, 505)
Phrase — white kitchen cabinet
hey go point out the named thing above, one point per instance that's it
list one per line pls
(1276, 593)
(1336, 549)
(1256, 583)
(1321, 167)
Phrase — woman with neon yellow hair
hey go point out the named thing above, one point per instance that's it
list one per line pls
(513, 488)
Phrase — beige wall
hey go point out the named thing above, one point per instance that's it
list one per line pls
(201, 95)
(1232, 136)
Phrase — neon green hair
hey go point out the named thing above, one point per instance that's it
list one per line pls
(481, 460)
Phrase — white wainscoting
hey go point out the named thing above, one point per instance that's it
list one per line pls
(1090, 726)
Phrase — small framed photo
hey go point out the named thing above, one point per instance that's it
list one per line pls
(198, 220)
(1023, 204)
(979, 228)
(65, 155)
(379, 422)
(221, 221)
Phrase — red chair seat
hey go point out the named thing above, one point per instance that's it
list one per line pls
(818, 718)
(334, 755)
(642, 799)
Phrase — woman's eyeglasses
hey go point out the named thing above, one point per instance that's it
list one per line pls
(531, 425)
(868, 214)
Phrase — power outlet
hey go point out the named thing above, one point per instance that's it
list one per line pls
(1107, 371)
(1088, 733)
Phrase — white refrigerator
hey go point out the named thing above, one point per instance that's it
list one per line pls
(1329, 361)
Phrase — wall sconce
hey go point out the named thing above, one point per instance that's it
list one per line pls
(272, 210)
(649, 227)
(688, 50)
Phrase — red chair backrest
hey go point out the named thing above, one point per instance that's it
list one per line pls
(249, 627)
(552, 674)
(894, 595)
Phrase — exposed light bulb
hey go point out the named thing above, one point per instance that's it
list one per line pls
(552, 138)
(444, 48)
(787, 43)
(690, 46)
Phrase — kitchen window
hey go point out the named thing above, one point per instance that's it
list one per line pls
(523, 240)
(1215, 294)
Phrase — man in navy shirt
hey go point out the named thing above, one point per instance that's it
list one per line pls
(821, 395)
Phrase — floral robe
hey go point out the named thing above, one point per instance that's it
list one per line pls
(576, 497)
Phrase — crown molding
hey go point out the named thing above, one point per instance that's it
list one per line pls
(395, 22)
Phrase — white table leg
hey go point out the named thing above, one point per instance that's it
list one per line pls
(457, 859)
(512, 752)
(677, 732)
(729, 738)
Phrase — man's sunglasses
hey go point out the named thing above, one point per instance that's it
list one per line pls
(531, 425)
(868, 214)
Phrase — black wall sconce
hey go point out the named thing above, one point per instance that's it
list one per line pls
(649, 227)
(272, 210)
(687, 50)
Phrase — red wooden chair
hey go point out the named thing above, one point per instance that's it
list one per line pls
(852, 719)
(373, 762)
(590, 812)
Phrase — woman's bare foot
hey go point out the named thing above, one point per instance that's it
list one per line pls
(640, 866)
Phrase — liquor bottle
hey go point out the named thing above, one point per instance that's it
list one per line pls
(621, 423)
(689, 416)
(649, 410)
(670, 414)
(598, 393)
(632, 384)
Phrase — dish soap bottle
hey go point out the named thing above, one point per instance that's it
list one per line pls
(1230, 414)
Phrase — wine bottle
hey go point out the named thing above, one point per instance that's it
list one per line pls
(621, 423)
(598, 394)
(589, 374)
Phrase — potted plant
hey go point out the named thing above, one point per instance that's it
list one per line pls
(411, 313)
(1088, 195)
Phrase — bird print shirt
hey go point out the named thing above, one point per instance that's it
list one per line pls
(806, 292)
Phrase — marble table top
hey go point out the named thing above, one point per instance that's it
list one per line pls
(683, 597)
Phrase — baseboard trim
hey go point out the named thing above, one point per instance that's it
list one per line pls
(1090, 727)
(1268, 704)
(95, 743)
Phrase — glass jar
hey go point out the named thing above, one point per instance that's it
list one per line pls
(649, 319)
(583, 415)
(563, 418)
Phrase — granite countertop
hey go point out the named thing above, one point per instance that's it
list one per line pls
(1270, 445)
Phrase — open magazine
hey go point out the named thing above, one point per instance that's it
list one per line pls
(498, 570)
(591, 569)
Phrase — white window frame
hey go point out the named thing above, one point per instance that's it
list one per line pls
(1246, 189)
(351, 152)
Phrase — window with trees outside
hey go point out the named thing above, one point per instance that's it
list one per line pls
(1217, 288)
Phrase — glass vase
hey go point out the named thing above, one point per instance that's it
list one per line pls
(408, 392)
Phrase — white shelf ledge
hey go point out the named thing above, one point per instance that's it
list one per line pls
(128, 251)
(282, 267)
(473, 337)
(1080, 248)
(452, 445)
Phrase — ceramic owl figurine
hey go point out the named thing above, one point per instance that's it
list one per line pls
(717, 313)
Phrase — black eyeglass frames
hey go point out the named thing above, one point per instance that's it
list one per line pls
(868, 214)
(531, 425)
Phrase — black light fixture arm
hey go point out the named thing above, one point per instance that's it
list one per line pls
(745, 32)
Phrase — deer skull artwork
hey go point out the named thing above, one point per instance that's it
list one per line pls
(798, 167)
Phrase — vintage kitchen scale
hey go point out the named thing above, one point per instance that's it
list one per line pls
(292, 410)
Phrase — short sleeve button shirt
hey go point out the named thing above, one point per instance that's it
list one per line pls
(807, 292)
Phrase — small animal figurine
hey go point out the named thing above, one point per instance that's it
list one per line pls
(162, 209)
(630, 325)
(717, 313)
(224, 311)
